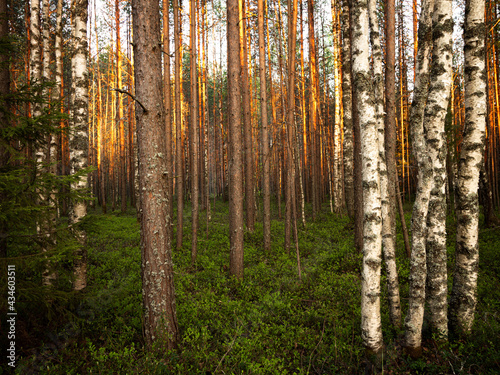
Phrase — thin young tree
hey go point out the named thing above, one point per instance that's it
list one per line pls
(194, 135)
(160, 320)
(464, 292)
(247, 121)
(236, 225)
(348, 145)
(265, 132)
(167, 96)
(179, 152)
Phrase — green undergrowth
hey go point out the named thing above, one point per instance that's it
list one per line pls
(269, 323)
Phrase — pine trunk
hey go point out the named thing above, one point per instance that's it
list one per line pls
(265, 131)
(160, 321)
(236, 226)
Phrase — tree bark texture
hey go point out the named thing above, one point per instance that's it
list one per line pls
(179, 152)
(247, 123)
(418, 271)
(265, 132)
(194, 137)
(78, 141)
(236, 225)
(371, 326)
(464, 292)
(388, 224)
(347, 107)
(167, 97)
(160, 321)
(434, 122)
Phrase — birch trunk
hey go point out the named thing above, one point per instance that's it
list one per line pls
(78, 141)
(347, 107)
(371, 326)
(464, 292)
(418, 272)
(435, 113)
(35, 48)
(388, 224)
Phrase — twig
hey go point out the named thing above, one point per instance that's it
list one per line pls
(132, 96)
(227, 352)
(316, 347)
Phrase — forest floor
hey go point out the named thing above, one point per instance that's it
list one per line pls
(269, 323)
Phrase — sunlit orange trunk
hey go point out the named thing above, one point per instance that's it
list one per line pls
(313, 112)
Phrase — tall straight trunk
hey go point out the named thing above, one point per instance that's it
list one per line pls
(131, 116)
(236, 226)
(179, 152)
(194, 136)
(357, 162)
(4, 92)
(313, 111)
(388, 222)
(265, 133)
(247, 121)
(119, 113)
(167, 97)
(464, 292)
(160, 320)
(347, 111)
(435, 114)
(415, 315)
(291, 210)
(338, 191)
(303, 161)
(78, 141)
(35, 49)
(371, 324)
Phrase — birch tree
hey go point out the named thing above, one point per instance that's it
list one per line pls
(347, 111)
(415, 315)
(388, 224)
(158, 294)
(371, 326)
(464, 292)
(434, 120)
(78, 141)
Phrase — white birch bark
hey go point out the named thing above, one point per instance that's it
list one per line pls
(78, 142)
(464, 292)
(35, 44)
(435, 114)
(348, 145)
(415, 315)
(388, 226)
(371, 327)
